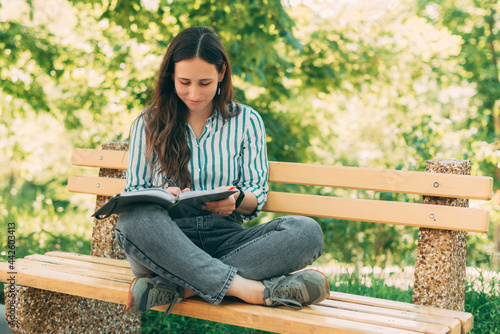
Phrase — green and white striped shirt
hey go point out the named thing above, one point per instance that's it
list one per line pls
(230, 152)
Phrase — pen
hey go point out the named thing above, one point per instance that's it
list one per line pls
(170, 182)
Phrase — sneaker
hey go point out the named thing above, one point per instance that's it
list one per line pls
(296, 290)
(144, 294)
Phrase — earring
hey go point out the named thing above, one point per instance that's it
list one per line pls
(218, 89)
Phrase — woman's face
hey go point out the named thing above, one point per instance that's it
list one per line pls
(196, 83)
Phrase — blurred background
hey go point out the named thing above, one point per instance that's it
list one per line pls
(369, 83)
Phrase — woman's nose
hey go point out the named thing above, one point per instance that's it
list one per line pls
(194, 92)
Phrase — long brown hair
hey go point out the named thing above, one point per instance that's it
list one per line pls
(165, 116)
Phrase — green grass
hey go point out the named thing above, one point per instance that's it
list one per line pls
(482, 298)
(154, 322)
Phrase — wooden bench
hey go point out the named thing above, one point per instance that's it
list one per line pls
(67, 292)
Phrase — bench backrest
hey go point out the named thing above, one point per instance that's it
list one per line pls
(378, 211)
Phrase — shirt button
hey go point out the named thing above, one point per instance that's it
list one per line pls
(199, 169)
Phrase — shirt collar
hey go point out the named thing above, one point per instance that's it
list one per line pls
(214, 123)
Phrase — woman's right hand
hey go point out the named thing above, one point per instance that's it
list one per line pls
(176, 191)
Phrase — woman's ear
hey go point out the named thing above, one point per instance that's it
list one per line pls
(222, 72)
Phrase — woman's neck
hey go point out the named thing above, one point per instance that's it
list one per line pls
(197, 121)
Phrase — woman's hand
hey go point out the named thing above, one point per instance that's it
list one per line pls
(223, 207)
(176, 191)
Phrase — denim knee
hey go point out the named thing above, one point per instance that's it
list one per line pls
(308, 233)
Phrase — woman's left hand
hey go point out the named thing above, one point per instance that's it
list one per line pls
(224, 207)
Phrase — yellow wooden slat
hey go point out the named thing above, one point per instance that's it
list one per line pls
(421, 183)
(104, 186)
(87, 265)
(376, 211)
(466, 319)
(99, 158)
(122, 263)
(67, 268)
(77, 285)
(452, 323)
(381, 320)
(90, 258)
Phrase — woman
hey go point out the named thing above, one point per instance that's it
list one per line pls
(192, 136)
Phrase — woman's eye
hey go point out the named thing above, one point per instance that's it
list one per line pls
(204, 83)
(184, 83)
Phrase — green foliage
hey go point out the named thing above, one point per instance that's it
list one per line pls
(21, 43)
(95, 75)
(375, 243)
(371, 84)
(477, 23)
(379, 85)
(44, 220)
(371, 285)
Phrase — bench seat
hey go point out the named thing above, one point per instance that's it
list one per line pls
(108, 280)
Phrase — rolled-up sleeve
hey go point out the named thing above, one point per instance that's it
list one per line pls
(139, 174)
(254, 169)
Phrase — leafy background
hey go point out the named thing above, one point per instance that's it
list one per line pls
(380, 84)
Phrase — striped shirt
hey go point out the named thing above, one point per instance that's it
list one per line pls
(229, 152)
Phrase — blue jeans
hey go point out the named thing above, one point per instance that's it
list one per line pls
(204, 253)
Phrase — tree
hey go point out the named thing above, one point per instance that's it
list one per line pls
(371, 84)
(478, 24)
(383, 80)
(77, 73)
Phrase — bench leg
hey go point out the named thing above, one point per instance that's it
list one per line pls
(41, 311)
(441, 255)
(440, 269)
